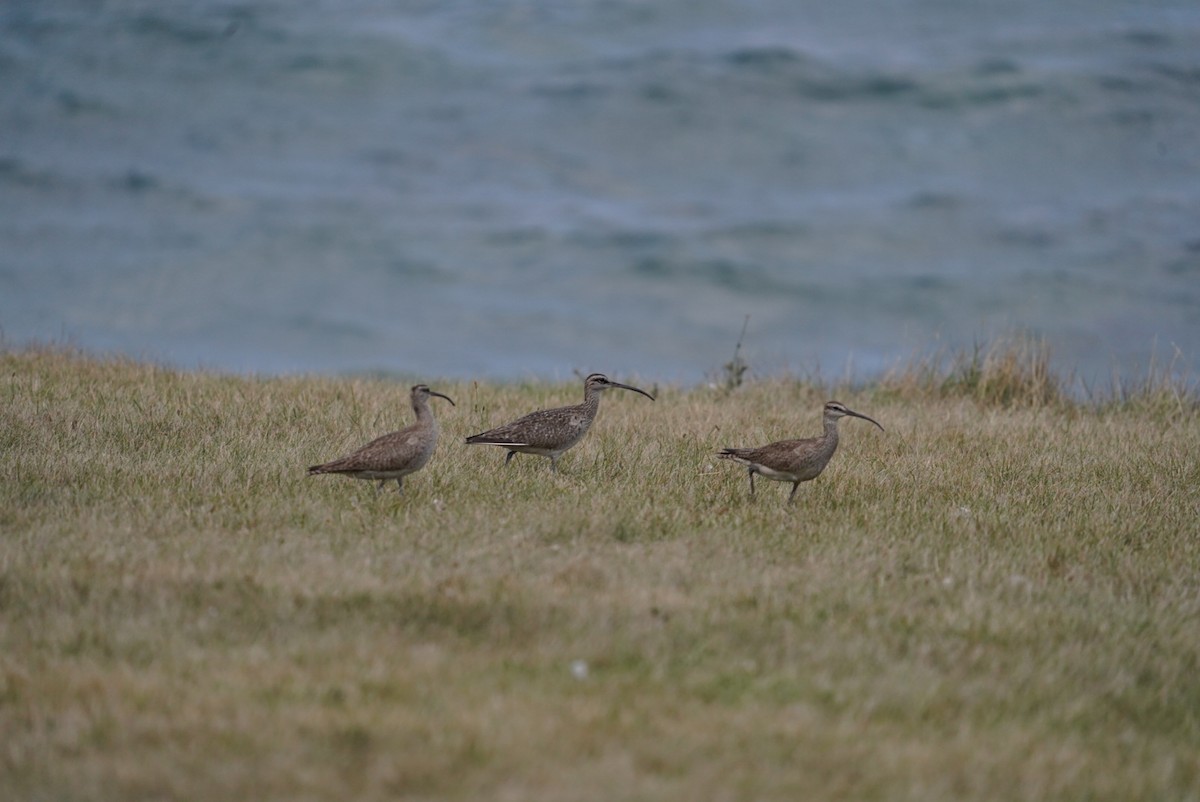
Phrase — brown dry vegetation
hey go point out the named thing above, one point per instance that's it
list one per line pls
(997, 598)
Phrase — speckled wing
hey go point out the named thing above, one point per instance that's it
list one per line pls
(390, 452)
(779, 456)
(541, 429)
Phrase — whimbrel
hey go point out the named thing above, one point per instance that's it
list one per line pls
(394, 455)
(550, 432)
(795, 461)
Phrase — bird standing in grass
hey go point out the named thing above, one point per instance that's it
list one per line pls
(550, 432)
(795, 461)
(394, 455)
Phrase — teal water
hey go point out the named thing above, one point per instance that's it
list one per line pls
(468, 189)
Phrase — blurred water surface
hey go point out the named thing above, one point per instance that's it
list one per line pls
(508, 190)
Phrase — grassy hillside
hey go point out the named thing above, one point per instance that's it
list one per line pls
(998, 598)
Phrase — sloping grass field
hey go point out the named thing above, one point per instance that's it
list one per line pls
(997, 598)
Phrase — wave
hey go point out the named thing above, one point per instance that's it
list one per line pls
(689, 77)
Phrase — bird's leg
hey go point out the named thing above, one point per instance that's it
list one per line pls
(792, 495)
(508, 459)
(751, 472)
(400, 484)
(554, 463)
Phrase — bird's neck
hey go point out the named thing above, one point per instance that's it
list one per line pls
(591, 401)
(831, 430)
(423, 413)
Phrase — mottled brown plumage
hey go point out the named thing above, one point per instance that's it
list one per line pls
(795, 461)
(550, 432)
(394, 455)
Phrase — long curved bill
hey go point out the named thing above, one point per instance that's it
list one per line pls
(864, 417)
(440, 395)
(635, 389)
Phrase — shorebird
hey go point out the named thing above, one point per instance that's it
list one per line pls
(394, 455)
(550, 432)
(795, 461)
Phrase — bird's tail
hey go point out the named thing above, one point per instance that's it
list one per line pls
(485, 439)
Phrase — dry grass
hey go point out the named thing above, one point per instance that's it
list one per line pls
(999, 598)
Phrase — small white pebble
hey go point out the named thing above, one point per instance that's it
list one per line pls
(579, 669)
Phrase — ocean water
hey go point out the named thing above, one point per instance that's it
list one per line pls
(527, 189)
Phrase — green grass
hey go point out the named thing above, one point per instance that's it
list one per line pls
(998, 598)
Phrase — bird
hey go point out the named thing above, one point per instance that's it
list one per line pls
(550, 432)
(394, 455)
(795, 461)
